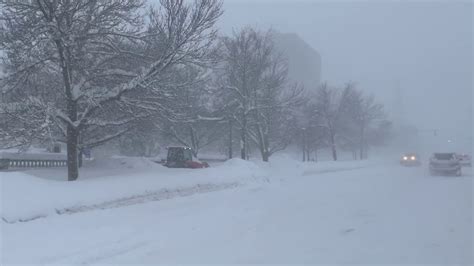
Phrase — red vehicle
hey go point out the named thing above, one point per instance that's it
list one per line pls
(182, 157)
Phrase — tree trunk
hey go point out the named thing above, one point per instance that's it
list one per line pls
(243, 144)
(265, 154)
(333, 148)
(361, 144)
(243, 140)
(267, 149)
(247, 149)
(304, 146)
(304, 153)
(72, 162)
(72, 137)
(79, 158)
(230, 139)
(263, 145)
(194, 142)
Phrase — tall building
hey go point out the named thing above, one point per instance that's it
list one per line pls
(304, 61)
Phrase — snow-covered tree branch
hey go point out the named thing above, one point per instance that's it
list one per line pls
(98, 63)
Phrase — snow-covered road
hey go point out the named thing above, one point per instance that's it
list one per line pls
(382, 214)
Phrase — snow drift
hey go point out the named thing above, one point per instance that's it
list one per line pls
(26, 197)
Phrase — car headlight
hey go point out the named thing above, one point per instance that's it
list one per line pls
(405, 158)
(413, 158)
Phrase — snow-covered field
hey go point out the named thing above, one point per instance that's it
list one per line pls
(131, 211)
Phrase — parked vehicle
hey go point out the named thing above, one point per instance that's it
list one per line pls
(182, 157)
(464, 159)
(410, 159)
(445, 163)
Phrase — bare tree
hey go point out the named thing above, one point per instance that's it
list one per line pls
(198, 124)
(108, 69)
(258, 94)
(365, 112)
(242, 53)
(311, 134)
(332, 104)
(274, 115)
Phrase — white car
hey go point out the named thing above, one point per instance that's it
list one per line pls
(464, 159)
(445, 163)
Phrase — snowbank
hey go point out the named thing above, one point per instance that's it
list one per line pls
(127, 162)
(26, 197)
(378, 215)
(287, 166)
(243, 166)
(211, 157)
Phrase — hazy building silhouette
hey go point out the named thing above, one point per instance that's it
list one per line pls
(304, 61)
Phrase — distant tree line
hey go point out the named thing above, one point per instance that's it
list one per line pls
(87, 73)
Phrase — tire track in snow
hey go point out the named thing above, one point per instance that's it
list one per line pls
(163, 194)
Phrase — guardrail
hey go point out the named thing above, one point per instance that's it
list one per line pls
(24, 163)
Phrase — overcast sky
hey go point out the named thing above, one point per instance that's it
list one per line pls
(425, 48)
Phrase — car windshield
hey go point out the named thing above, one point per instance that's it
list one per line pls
(444, 156)
(188, 155)
(179, 154)
(175, 154)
